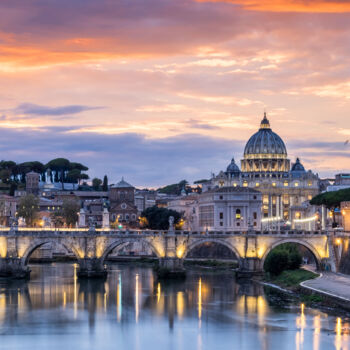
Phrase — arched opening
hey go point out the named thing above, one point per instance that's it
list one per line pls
(129, 250)
(48, 251)
(212, 250)
(290, 255)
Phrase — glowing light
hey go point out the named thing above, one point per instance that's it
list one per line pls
(180, 304)
(317, 332)
(119, 298)
(338, 337)
(338, 241)
(75, 303)
(276, 218)
(137, 298)
(158, 292)
(313, 218)
(200, 299)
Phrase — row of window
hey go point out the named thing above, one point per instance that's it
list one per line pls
(238, 215)
(124, 217)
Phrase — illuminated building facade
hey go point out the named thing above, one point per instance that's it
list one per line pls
(265, 167)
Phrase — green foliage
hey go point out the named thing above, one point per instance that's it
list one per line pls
(174, 188)
(28, 208)
(331, 199)
(69, 211)
(158, 218)
(283, 257)
(292, 278)
(96, 184)
(200, 181)
(105, 184)
(57, 218)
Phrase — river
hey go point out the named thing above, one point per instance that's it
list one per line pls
(132, 310)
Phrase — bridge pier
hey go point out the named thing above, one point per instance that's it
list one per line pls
(171, 268)
(14, 268)
(91, 268)
(250, 267)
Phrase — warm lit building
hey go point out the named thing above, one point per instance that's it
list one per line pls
(229, 209)
(122, 204)
(265, 167)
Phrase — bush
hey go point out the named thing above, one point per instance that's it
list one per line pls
(284, 257)
(295, 260)
(276, 262)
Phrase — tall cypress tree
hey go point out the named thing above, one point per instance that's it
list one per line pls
(105, 184)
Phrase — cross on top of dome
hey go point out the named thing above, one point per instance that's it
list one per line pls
(265, 124)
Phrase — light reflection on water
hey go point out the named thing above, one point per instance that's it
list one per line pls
(54, 310)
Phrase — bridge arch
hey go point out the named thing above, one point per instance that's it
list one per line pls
(37, 244)
(122, 241)
(223, 242)
(307, 245)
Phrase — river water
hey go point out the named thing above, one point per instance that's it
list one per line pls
(132, 310)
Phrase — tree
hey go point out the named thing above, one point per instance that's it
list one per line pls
(57, 218)
(332, 200)
(283, 257)
(28, 208)
(96, 183)
(158, 218)
(69, 211)
(60, 166)
(105, 184)
(174, 188)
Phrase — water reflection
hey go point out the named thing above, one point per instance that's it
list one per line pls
(132, 309)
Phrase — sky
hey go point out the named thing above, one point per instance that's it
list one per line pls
(163, 90)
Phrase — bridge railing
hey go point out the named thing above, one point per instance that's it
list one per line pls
(109, 231)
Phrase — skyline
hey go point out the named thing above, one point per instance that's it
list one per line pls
(173, 90)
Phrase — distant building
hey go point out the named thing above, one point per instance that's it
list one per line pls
(32, 183)
(8, 209)
(266, 168)
(122, 203)
(187, 206)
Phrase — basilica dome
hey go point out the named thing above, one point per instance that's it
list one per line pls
(233, 168)
(265, 143)
(265, 152)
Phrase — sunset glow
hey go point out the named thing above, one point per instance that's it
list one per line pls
(173, 89)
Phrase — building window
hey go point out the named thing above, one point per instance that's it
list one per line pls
(255, 215)
(221, 197)
(254, 197)
(285, 184)
(255, 223)
(238, 214)
(126, 216)
(120, 216)
(221, 215)
(274, 184)
(297, 215)
(309, 197)
(245, 184)
(238, 224)
(257, 184)
(133, 216)
(234, 185)
(123, 206)
(309, 184)
(296, 184)
(221, 223)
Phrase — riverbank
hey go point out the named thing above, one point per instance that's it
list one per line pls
(305, 286)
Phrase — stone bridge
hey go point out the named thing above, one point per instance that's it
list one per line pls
(91, 247)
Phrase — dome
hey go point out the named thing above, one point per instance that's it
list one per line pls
(233, 168)
(265, 143)
(297, 168)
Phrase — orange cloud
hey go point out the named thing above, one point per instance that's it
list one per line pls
(314, 6)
